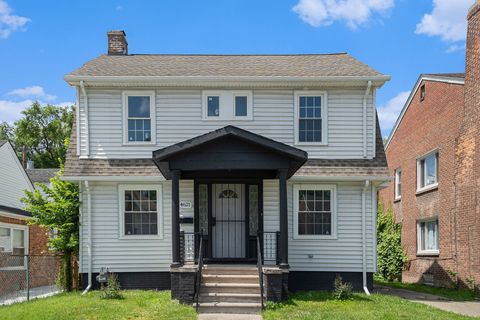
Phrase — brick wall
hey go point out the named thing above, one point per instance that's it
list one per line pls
(433, 123)
(468, 159)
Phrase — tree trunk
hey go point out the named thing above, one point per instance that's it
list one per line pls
(67, 269)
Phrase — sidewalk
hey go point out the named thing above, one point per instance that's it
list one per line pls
(467, 308)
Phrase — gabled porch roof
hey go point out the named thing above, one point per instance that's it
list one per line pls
(232, 152)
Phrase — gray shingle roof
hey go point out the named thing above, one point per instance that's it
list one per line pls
(146, 167)
(302, 65)
(41, 175)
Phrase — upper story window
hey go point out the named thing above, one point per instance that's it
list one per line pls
(398, 184)
(139, 115)
(427, 237)
(227, 105)
(310, 117)
(140, 211)
(427, 171)
(14, 243)
(314, 211)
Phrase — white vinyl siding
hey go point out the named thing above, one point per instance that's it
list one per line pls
(13, 179)
(179, 117)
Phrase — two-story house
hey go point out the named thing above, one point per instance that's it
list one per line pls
(433, 154)
(230, 161)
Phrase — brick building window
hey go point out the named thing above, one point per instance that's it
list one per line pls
(13, 245)
(398, 184)
(427, 171)
(423, 92)
(427, 237)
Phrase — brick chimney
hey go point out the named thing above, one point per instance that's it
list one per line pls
(467, 175)
(117, 42)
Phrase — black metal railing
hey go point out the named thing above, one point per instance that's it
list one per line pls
(187, 247)
(198, 278)
(270, 247)
(260, 268)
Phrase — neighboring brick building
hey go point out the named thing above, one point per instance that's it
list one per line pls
(432, 156)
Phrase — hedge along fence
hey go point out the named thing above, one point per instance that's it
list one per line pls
(391, 256)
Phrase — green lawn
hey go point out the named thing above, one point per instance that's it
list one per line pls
(135, 305)
(320, 305)
(453, 294)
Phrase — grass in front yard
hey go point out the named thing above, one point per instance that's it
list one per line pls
(453, 294)
(321, 305)
(136, 304)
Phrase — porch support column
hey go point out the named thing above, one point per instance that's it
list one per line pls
(282, 175)
(175, 218)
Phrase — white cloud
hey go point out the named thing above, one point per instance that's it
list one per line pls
(353, 12)
(389, 113)
(10, 23)
(32, 92)
(455, 47)
(448, 20)
(10, 111)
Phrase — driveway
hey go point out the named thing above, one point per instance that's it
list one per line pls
(467, 308)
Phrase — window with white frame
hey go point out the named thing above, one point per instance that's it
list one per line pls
(398, 183)
(427, 171)
(227, 105)
(310, 120)
(314, 211)
(140, 213)
(139, 114)
(14, 244)
(427, 232)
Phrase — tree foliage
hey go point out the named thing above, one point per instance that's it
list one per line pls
(391, 255)
(57, 208)
(6, 131)
(44, 130)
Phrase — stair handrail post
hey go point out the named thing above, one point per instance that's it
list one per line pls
(260, 267)
(199, 271)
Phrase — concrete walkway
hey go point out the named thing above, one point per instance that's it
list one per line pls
(227, 316)
(467, 308)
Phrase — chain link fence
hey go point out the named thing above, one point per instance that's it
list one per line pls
(25, 277)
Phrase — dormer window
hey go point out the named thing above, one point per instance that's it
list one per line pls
(139, 115)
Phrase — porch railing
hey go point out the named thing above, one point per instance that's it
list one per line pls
(198, 278)
(270, 247)
(260, 268)
(187, 247)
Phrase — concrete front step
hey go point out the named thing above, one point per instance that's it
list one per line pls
(218, 287)
(226, 278)
(230, 271)
(230, 297)
(229, 307)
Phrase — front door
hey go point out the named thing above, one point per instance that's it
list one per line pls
(228, 221)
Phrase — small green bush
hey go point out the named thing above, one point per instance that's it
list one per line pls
(391, 255)
(112, 289)
(342, 290)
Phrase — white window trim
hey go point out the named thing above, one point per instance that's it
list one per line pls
(243, 93)
(121, 204)
(419, 172)
(227, 105)
(397, 195)
(315, 186)
(26, 242)
(324, 96)
(421, 252)
(153, 127)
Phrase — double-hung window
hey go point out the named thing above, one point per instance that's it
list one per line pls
(310, 119)
(13, 245)
(140, 213)
(398, 184)
(314, 211)
(427, 237)
(427, 171)
(139, 114)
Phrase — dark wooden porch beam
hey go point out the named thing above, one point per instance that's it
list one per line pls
(176, 218)
(282, 175)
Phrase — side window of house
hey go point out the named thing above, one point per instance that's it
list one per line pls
(398, 184)
(310, 118)
(227, 105)
(427, 242)
(427, 171)
(13, 241)
(314, 211)
(141, 210)
(140, 117)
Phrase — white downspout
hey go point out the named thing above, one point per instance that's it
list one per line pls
(87, 131)
(89, 243)
(364, 238)
(367, 92)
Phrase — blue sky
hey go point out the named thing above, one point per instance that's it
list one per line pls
(41, 41)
